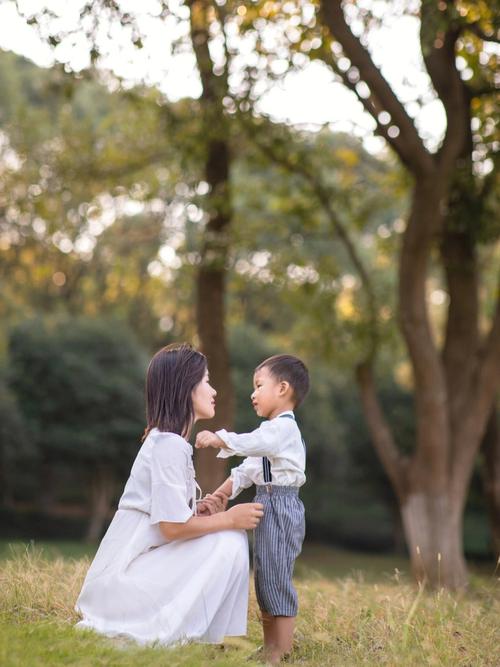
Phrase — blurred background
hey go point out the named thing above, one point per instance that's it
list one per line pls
(221, 173)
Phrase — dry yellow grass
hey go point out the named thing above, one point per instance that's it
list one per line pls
(342, 622)
(34, 588)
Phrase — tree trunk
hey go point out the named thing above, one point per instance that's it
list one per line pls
(211, 471)
(398, 533)
(491, 478)
(433, 529)
(101, 491)
(211, 286)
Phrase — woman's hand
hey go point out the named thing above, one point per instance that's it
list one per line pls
(223, 499)
(204, 507)
(245, 516)
(208, 439)
(240, 517)
(212, 503)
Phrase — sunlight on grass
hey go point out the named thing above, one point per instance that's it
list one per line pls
(344, 621)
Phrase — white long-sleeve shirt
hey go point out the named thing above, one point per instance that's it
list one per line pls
(280, 440)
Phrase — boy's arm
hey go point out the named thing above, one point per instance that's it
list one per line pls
(226, 488)
(266, 440)
(241, 478)
(263, 441)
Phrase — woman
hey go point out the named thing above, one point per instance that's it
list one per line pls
(164, 573)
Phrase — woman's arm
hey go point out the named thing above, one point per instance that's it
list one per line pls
(240, 517)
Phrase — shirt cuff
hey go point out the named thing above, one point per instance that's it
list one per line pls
(238, 481)
(224, 453)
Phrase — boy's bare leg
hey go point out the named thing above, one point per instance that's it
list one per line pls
(278, 636)
(268, 630)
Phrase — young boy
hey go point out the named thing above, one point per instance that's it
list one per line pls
(275, 463)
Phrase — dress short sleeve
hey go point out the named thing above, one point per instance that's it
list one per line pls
(169, 479)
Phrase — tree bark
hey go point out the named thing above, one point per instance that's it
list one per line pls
(211, 279)
(101, 491)
(211, 471)
(491, 477)
(433, 529)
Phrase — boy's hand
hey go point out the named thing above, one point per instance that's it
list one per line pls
(222, 498)
(208, 439)
(211, 504)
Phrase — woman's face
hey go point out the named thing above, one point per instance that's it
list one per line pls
(204, 399)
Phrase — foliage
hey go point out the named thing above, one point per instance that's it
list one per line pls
(14, 444)
(290, 248)
(79, 387)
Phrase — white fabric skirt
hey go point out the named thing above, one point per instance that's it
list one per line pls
(141, 587)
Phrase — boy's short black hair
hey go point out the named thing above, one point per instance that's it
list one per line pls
(290, 369)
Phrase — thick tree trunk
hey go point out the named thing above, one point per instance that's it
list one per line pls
(491, 478)
(433, 529)
(101, 491)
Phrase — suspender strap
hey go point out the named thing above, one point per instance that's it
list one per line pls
(266, 469)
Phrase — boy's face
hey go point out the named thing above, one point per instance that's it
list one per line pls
(267, 394)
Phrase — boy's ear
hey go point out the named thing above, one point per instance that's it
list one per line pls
(284, 387)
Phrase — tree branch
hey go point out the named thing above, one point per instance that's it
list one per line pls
(438, 49)
(481, 396)
(393, 461)
(324, 198)
(479, 32)
(461, 338)
(370, 105)
(408, 143)
(430, 383)
(200, 38)
(488, 375)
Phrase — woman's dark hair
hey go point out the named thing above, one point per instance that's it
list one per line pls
(173, 373)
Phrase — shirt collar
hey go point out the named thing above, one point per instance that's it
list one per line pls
(286, 412)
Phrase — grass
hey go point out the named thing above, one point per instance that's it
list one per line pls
(355, 610)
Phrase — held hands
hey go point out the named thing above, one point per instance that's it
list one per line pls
(245, 516)
(212, 503)
(208, 439)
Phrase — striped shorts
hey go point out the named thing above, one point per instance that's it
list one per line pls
(277, 542)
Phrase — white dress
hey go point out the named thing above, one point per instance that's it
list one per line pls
(140, 585)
